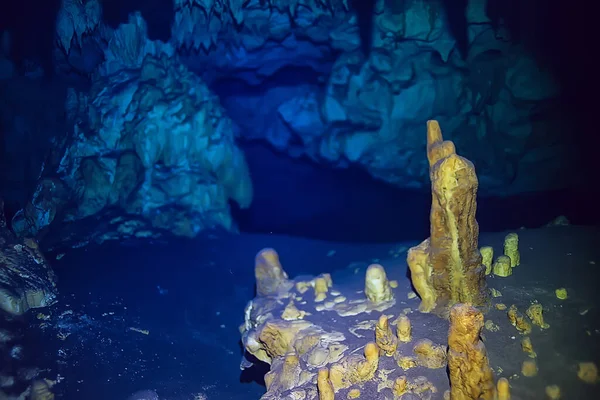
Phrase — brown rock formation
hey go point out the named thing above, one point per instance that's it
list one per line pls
(447, 267)
(471, 377)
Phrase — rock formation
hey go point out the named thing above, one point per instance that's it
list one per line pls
(447, 267)
(151, 151)
(313, 344)
(471, 377)
(26, 279)
(350, 109)
(373, 107)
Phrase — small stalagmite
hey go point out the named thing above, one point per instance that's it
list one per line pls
(355, 369)
(270, 276)
(377, 286)
(324, 385)
(502, 267)
(503, 388)
(447, 268)
(511, 249)
(384, 337)
(487, 255)
(404, 329)
(471, 377)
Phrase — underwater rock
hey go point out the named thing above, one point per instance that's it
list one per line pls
(317, 356)
(26, 279)
(470, 374)
(356, 109)
(7, 67)
(151, 152)
(75, 19)
(373, 106)
(447, 268)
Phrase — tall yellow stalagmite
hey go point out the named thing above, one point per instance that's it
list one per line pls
(447, 267)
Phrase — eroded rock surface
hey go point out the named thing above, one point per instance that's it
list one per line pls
(26, 279)
(447, 268)
(497, 102)
(151, 151)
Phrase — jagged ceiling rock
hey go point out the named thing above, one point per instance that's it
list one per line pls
(80, 36)
(75, 19)
(129, 45)
(497, 102)
(151, 151)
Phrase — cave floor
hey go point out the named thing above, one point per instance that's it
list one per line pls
(166, 317)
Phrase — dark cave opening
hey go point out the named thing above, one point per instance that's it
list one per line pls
(300, 198)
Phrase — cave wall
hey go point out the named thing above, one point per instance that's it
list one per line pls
(143, 114)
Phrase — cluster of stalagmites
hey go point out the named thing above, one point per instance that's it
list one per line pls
(314, 357)
(504, 264)
(309, 360)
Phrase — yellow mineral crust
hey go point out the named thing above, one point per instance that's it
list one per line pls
(377, 286)
(535, 312)
(518, 320)
(511, 249)
(430, 355)
(447, 269)
(354, 368)
(384, 337)
(470, 374)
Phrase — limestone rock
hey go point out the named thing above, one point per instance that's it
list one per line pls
(343, 347)
(75, 19)
(149, 141)
(470, 374)
(373, 108)
(26, 279)
(447, 268)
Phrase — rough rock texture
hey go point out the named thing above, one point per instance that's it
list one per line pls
(325, 340)
(498, 102)
(470, 374)
(81, 36)
(26, 279)
(447, 267)
(151, 151)
(134, 164)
